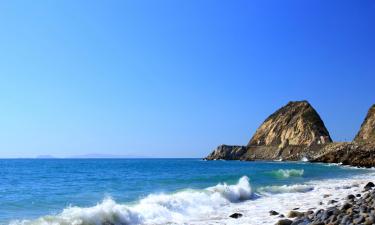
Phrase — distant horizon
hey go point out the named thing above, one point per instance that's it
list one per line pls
(176, 79)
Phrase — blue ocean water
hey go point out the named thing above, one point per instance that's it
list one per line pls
(31, 188)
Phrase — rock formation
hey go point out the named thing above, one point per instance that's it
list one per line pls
(347, 153)
(296, 132)
(367, 131)
(297, 123)
(229, 152)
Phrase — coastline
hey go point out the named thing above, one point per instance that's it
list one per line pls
(215, 204)
(324, 195)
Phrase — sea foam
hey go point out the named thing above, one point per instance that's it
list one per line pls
(281, 173)
(154, 209)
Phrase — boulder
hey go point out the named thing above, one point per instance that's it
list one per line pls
(236, 215)
(369, 186)
(284, 222)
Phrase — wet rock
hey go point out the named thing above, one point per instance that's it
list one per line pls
(236, 215)
(284, 222)
(293, 214)
(369, 186)
(273, 213)
(332, 201)
(359, 220)
(350, 197)
(346, 206)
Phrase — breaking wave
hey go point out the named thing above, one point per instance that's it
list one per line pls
(154, 209)
(287, 173)
(285, 189)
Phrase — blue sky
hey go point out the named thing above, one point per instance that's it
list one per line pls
(176, 78)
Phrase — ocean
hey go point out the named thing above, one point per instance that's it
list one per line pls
(166, 191)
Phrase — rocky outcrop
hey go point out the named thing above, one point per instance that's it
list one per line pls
(228, 152)
(296, 132)
(367, 131)
(347, 153)
(297, 123)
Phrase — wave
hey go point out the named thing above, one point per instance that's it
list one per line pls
(285, 189)
(304, 159)
(287, 173)
(177, 208)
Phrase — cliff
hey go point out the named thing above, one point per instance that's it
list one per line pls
(296, 132)
(367, 131)
(297, 123)
(227, 152)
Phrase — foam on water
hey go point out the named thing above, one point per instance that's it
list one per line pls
(286, 173)
(154, 209)
(285, 189)
(212, 205)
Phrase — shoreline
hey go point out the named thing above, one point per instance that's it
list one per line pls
(325, 195)
(252, 206)
(356, 208)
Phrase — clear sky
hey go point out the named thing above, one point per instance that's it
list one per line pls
(176, 78)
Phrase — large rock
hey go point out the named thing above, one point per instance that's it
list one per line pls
(367, 131)
(347, 153)
(297, 123)
(227, 152)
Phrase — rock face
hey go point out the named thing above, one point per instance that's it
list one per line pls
(347, 153)
(367, 131)
(297, 123)
(296, 132)
(228, 152)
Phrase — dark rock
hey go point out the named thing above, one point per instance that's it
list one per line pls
(349, 197)
(284, 222)
(273, 213)
(346, 206)
(359, 220)
(332, 201)
(236, 215)
(369, 186)
(293, 214)
(302, 221)
(228, 152)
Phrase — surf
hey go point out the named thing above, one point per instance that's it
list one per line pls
(153, 209)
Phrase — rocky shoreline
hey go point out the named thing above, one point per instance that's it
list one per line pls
(296, 132)
(358, 208)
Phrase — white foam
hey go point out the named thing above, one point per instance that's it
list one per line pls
(285, 189)
(210, 206)
(304, 159)
(175, 208)
(281, 173)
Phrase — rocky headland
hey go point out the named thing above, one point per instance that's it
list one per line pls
(296, 132)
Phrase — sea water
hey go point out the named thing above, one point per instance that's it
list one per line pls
(165, 191)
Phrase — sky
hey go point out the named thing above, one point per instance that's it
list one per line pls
(176, 78)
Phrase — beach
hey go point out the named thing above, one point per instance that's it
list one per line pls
(170, 191)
